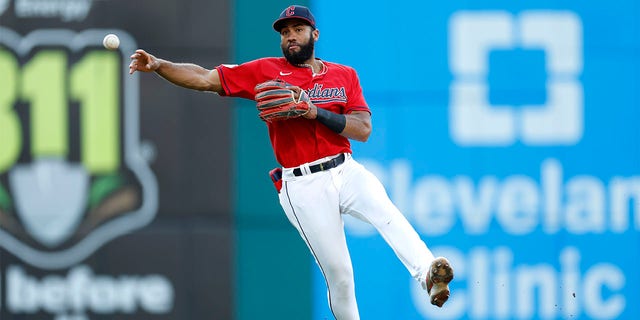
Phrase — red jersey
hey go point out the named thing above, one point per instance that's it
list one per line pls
(297, 141)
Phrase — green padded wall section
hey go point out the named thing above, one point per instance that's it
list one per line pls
(273, 264)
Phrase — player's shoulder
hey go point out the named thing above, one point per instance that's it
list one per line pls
(269, 61)
(339, 67)
(258, 62)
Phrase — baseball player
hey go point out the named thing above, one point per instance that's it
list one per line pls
(312, 108)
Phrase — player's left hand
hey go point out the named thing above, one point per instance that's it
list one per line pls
(277, 100)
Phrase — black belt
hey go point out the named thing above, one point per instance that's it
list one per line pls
(322, 166)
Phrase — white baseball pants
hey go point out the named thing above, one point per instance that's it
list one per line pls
(314, 204)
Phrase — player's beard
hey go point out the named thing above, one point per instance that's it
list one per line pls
(302, 56)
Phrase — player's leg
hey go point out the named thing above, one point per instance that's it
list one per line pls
(311, 204)
(364, 197)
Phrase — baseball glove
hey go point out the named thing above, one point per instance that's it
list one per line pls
(276, 101)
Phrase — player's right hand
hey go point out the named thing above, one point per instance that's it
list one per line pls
(143, 61)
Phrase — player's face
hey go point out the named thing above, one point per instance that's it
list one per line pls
(297, 42)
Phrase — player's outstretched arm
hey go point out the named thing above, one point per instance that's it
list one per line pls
(186, 75)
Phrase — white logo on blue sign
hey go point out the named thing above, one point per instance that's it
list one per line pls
(474, 120)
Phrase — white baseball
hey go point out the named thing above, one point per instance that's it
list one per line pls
(111, 41)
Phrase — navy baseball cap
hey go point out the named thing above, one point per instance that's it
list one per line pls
(295, 12)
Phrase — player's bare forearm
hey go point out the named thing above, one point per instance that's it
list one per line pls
(185, 75)
(358, 126)
(190, 76)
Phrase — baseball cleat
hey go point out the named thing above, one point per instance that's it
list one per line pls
(438, 278)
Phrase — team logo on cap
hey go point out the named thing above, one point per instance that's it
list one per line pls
(291, 11)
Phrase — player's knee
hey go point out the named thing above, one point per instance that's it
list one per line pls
(339, 271)
(342, 281)
(343, 288)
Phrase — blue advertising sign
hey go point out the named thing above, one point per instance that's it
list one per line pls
(506, 132)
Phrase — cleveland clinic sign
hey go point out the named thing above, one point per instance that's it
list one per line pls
(518, 195)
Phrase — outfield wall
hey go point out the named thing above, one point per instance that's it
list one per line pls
(503, 131)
